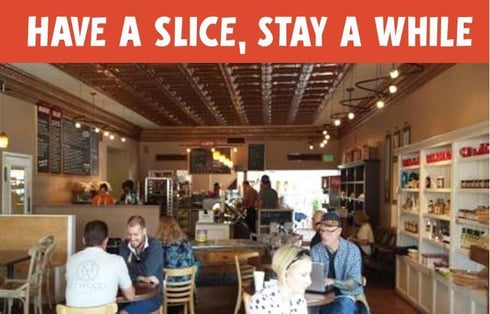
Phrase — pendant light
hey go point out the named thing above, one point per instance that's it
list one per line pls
(4, 139)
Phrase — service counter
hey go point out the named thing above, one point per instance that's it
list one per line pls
(115, 216)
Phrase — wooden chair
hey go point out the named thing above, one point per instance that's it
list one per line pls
(245, 273)
(246, 301)
(47, 267)
(28, 289)
(178, 289)
(110, 308)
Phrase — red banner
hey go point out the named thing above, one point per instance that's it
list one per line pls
(246, 31)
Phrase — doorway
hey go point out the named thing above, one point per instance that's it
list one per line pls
(117, 169)
(17, 184)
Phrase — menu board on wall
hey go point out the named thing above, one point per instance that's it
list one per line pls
(256, 157)
(43, 115)
(76, 149)
(201, 161)
(55, 141)
(94, 152)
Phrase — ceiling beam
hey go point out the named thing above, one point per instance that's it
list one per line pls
(236, 99)
(299, 91)
(266, 86)
(165, 89)
(201, 93)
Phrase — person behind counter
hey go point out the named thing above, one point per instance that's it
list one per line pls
(129, 196)
(103, 197)
(249, 204)
(267, 195)
(144, 256)
(292, 266)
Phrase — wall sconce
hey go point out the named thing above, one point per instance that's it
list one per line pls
(4, 139)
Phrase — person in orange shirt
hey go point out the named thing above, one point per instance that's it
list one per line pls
(103, 197)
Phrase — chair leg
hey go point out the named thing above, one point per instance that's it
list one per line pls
(185, 308)
(191, 306)
(164, 307)
(238, 301)
(48, 287)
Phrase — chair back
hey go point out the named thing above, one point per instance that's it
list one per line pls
(180, 290)
(36, 266)
(110, 308)
(246, 302)
(244, 273)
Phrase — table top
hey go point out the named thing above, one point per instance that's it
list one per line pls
(318, 299)
(12, 257)
(227, 244)
(143, 291)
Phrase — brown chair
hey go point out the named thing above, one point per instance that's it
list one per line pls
(178, 292)
(110, 308)
(245, 273)
(27, 289)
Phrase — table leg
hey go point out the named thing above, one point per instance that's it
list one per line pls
(10, 271)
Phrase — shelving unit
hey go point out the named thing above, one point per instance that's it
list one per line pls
(436, 184)
(359, 187)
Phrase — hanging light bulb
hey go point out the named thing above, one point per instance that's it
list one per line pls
(188, 150)
(311, 146)
(392, 88)
(78, 125)
(235, 149)
(380, 104)
(123, 139)
(325, 132)
(336, 122)
(394, 73)
(111, 137)
(97, 130)
(4, 139)
(327, 136)
(350, 115)
(322, 145)
(107, 133)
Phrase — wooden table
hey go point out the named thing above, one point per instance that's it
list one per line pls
(9, 258)
(143, 291)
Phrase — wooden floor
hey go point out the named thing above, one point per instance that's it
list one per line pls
(221, 300)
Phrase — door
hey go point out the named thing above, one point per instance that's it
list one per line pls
(16, 184)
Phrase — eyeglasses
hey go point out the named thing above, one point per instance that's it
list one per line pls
(298, 257)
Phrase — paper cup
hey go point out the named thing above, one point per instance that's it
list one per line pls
(259, 280)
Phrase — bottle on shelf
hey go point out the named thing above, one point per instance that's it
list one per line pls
(428, 228)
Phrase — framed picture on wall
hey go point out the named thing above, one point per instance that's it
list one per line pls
(396, 139)
(406, 134)
(387, 168)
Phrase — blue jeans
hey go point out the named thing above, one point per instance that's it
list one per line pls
(340, 305)
(142, 307)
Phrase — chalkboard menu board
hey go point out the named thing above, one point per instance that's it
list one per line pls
(201, 161)
(55, 141)
(256, 157)
(94, 152)
(76, 149)
(43, 114)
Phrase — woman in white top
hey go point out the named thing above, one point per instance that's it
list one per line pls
(292, 266)
(364, 237)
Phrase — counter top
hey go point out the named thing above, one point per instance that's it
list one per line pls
(227, 244)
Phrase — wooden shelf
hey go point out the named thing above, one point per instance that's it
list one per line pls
(479, 255)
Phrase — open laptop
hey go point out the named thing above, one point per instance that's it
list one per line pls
(317, 280)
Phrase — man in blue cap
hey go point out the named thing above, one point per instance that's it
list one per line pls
(342, 266)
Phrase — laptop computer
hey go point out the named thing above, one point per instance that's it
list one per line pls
(317, 280)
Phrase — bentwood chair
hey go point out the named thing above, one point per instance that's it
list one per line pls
(47, 267)
(246, 301)
(28, 289)
(110, 308)
(178, 289)
(245, 274)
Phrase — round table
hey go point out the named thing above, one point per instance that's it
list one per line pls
(142, 291)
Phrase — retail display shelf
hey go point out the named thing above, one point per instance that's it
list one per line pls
(410, 212)
(472, 223)
(436, 243)
(445, 190)
(439, 163)
(410, 234)
(439, 217)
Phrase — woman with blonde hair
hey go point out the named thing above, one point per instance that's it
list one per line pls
(364, 237)
(177, 250)
(292, 266)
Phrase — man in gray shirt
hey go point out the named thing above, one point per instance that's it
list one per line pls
(267, 195)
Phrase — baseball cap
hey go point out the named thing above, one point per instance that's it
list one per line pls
(331, 219)
(265, 179)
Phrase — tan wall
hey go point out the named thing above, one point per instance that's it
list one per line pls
(458, 97)
(275, 159)
(20, 124)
